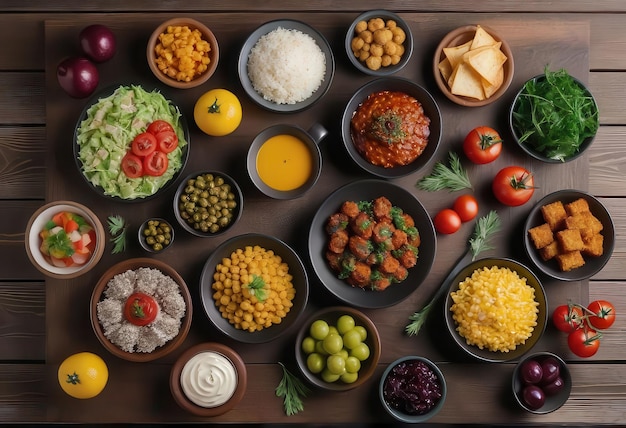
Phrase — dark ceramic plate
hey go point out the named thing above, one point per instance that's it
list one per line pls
(592, 265)
(184, 150)
(296, 269)
(431, 110)
(368, 190)
(287, 24)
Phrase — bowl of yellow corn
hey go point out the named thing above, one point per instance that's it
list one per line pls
(495, 309)
(182, 53)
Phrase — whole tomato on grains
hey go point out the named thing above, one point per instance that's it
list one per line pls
(482, 145)
(513, 186)
(140, 309)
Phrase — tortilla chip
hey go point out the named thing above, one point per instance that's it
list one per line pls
(482, 38)
(465, 82)
(445, 68)
(486, 60)
(455, 53)
(490, 88)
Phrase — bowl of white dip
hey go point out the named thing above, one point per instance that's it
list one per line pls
(208, 379)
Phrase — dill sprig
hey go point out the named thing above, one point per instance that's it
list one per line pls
(292, 390)
(453, 177)
(117, 229)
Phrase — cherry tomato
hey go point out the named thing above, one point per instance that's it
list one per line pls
(584, 342)
(132, 165)
(567, 318)
(159, 126)
(143, 144)
(155, 163)
(140, 309)
(466, 206)
(604, 314)
(482, 145)
(447, 221)
(167, 141)
(513, 185)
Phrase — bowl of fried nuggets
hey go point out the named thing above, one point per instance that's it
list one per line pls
(473, 66)
(569, 235)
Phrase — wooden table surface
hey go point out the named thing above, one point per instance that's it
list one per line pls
(44, 320)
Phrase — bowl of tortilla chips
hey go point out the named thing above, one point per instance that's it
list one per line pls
(473, 66)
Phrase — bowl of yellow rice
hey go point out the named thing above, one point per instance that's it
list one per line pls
(495, 309)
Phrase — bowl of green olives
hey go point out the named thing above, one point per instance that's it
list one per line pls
(156, 235)
(208, 203)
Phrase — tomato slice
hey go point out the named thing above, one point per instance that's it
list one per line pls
(132, 165)
(155, 163)
(143, 144)
(167, 141)
(159, 126)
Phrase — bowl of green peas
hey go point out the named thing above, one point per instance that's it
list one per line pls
(156, 235)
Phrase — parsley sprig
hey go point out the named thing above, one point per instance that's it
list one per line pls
(117, 229)
(293, 391)
(453, 177)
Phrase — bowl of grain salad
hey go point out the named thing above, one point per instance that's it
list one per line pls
(286, 66)
(254, 288)
(141, 309)
(496, 309)
(182, 53)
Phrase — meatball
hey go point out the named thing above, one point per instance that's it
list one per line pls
(407, 257)
(335, 222)
(338, 241)
(360, 247)
(400, 274)
(334, 260)
(382, 208)
(398, 239)
(362, 225)
(350, 209)
(389, 264)
(383, 231)
(360, 275)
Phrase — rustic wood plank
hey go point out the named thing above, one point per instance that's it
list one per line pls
(607, 162)
(22, 162)
(614, 269)
(22, 98)
(22, 393)
(23, 326)
(609, 90)
(15, 216)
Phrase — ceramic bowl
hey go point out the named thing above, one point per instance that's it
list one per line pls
(210, 397)
(458, 37)
(155, 235)
(395, 374)
(431, 110)
(207, 35)
(174, 305)
(592, 263)
(299, 281)
(189, 190)
(331, 315)
(519, 128)
(368, 190)
(407, 44)
(293, 25)
(485, 354)
(33, 240)
(555, 396)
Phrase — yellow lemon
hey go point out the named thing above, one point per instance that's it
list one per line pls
(83, 375)
(217, 112)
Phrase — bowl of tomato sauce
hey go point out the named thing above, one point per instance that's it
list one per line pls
(391, 127)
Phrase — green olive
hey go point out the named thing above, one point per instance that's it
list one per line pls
(157, 234)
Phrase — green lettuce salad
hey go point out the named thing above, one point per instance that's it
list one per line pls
(104, 137)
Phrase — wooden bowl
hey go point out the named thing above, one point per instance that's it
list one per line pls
(458, 37)
(98, 295)
(207, 388)
(207, 35)
(33, 240)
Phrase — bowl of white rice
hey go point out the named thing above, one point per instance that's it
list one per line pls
(141, 309)
(286, 66)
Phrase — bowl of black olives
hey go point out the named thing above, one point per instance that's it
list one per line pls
(208, 203)
(156, 235)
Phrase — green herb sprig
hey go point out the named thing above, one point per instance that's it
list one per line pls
(117, 229)
(453, 177)
(257, 287)
(292, 390)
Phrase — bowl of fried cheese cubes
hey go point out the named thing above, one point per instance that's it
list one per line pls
(495, 309)
(569, 235)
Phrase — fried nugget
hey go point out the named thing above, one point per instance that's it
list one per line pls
(554, 214)
(570, 240)
(569, 261)
(541, 235)
(594, 247)
(549, 251)
(578, 206)
(583, 220)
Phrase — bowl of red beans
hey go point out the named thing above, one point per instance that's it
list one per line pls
(391, 127)
(412, 389)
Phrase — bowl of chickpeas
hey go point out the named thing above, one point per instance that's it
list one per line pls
(182, 53)
(379, 43)
(208, 203)
(254, 288)
(155, 235)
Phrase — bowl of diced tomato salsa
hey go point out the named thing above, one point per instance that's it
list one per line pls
(64, 239)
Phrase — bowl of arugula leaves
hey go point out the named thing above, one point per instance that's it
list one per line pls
(554, 117)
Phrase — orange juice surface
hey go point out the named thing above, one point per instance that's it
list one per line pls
(284, 162)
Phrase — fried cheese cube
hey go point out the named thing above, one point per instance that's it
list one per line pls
(541, 235)
(569, 261)
(595, 246)
(578, 206)
(570, 240)
(583, 220)
(554, 214)
(549, 251)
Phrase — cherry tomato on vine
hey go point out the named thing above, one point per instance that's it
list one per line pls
(482, 145)
(447, 221)
(584, 342)
(513, 185)
(466, 206)
(604, 314)
(567, 318)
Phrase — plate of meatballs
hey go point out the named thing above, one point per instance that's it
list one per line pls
(371, 243)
